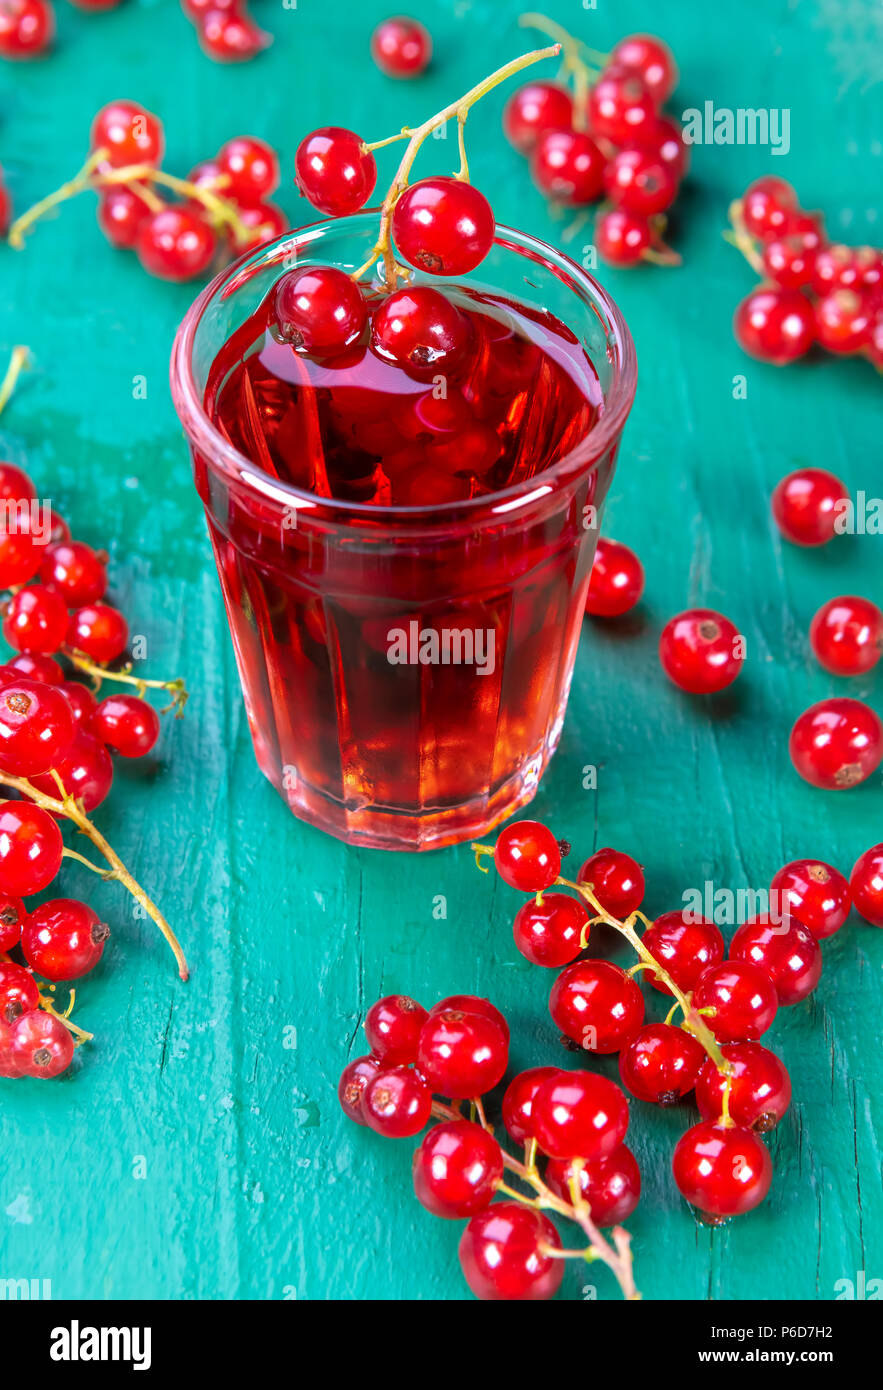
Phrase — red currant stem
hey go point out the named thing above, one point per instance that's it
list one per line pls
(72, 810)
(725, 1118)
(404, 134)
(575, 226)
(416, 137)
(574, 65)
(81, 859)
(67, 190)
(48, 1007)
(176, 688)
(463, 171)
(741, 238)
(554, 1252)
(19, 361)
(661, 255)
(672, 1011)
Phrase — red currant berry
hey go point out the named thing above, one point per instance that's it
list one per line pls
(527, 856)
(249, 169)
(806, 505)
(837, 743)
(568, 167)
(766, 206)
(472, 1004)
(396, 1102)
(611, 1186)
(421, 330)
(12, 917)
(99, 631)
(835, 268)
(128, 135)
(616, 880)
(127, 724)
(175, 244)
(866, 885)
(19, 994)
(788, 261)
(15, 485)
(9, 1068)
(86, 771)
(334, 171)
(518, 1102)
(504, 1254)
(805, 228)
(401, 47)
(33, 666)
(816, 894)
(81, 700)
(548, 932)
(27, 28)
(353, 1080)
(577, 1114)
(319, 310)
(775, 325)
(392, 1027)
(196, 10)
(228, 36)
(661, 1063)
(701, 651)
(443, 225)
(617, 580)
(534, 109)
(36, 727)
(63, 939)
(790, 955)
(457, 1169)
(36, 620)
(41, 1045)
(652, 60)
(666, 139)
(19, 556)
(121, 211)
(843, 322)
(621, 107)
(462, 1055)
(738, 1001)
(722, 1171)
(622, 237)
(760, 1087)
(58, 529)
(30, 848)
(640, 181)
(596, 1004)
(685, 947)
(264, 222)
(75, 571)
(847, 635)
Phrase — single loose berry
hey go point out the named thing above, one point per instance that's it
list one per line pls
(249, 169)
(30, 848)
(351, 1087)
(846, 635)
(19, 994)
(652, 60)
(457, 1169)
(722, 1171)
(27, 28)
(128, 134)
(737, 1000)
(319, 310)
(617, 580)
(527, 856)
(534, 109)
(786, 950)
(392, 1027)
(472, 1004)
(401, 47)
(815, 893)
(775, 325)
(760, 1087)
(12, 917)
(420, 330)
(611, 1186)
(75, 571)
(86, 771)
(766, 206)
(334, 171)
(837, 743)
(443, 225)
(577, 1114)
(701, 651)
(548, 932)
(568, 167)
(616, 880)
(641, 181)
(36, 727)
(518, 1102)
(596, 1004)
(661, 1063)
(866, 885)
(622, 237)
(99, 631)
(41, 1045)
(621, 107)
(127, 724)
(63, 939)
(36, 620)
(175, 244)
(685, 946)
(806, 505)
(462, 1055)
(396, 1102)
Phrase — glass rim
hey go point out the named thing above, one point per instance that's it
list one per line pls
(220, 454)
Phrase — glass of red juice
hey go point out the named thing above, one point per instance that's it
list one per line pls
(404, 552)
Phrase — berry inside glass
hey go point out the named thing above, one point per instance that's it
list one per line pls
(404, 526)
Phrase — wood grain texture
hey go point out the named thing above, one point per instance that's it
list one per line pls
(255, 1186)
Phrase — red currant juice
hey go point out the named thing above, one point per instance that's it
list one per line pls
(372, 720)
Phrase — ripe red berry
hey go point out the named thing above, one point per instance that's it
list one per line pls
(617, 580)
(443, 225)
(175, 244)
(264, 221)
(41, 1045)
(249, 169)
(128, 134)
(685, 946)
(578, 1114)
(806, 505)
(527, 856)
(12, 917)
(641, 181)
(460, 1054)
(15, 485)
(666, 139)
(396, 1102)
(737, 1000)
(19, 556)
(621, 107)
(837, 743)
(334, 171)
(790, 955)
(548, 932)
(36, 727)
(228, 36)
(534, 109)
(767, 205)
(392, 1027)
(99, 631)
(127, 724)
(81, 700)
(75, 571)
(775, 325)
(121, 212)
(420, 330)
(86, 771)
(472, 1004)
(36, 620)
(32, 666)
(760, 1087)
(661, 1063)
(457, 1169)
(19, 994)
(401, 47)
(611, 1186)
(596, 1004)
(568, 167)
(351, 1087)
(652, 60)
(722, 1171)
(788, 261)
(319, 310)
(815, 893)
(616, 880)
(27, 28)
(834, 268)
(846, 635)
(518, 1102)
(843, 322)
(30, 848)
(622, 237)
(866, 885)
(63, 939)
(701, 651)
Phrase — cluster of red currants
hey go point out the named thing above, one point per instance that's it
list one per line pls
(27, 27)
(226, 30)
(814, 291)
(607, 139)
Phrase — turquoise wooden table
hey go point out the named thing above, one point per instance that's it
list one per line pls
(196, 1149)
